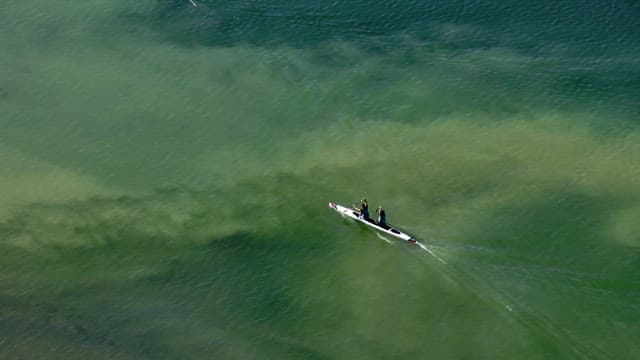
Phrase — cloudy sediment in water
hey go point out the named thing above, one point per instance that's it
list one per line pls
(165, 171)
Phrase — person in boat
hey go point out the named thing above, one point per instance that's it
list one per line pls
(363, 209)
(382, 217)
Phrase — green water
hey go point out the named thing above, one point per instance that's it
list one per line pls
(165, 172)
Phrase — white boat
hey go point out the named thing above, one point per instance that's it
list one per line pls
(352, 214)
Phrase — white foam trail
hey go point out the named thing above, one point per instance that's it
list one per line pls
(384, 238)
(431, 252)
(193, 3)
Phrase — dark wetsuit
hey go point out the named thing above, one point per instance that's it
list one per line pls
(382, 218)
(364, 211)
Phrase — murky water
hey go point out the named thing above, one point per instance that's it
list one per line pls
(165, 171)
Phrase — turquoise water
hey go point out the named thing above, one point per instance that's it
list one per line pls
(165, 172)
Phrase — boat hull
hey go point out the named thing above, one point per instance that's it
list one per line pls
(389, 230)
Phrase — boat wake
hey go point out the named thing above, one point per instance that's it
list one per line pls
(384, 238)
(423, 247)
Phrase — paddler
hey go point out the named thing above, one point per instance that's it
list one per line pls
(363, 209)
(382, 216)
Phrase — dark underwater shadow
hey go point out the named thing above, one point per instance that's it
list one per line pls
(308, 23)
(291, 23)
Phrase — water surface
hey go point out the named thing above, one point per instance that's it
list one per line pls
(165, 172)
